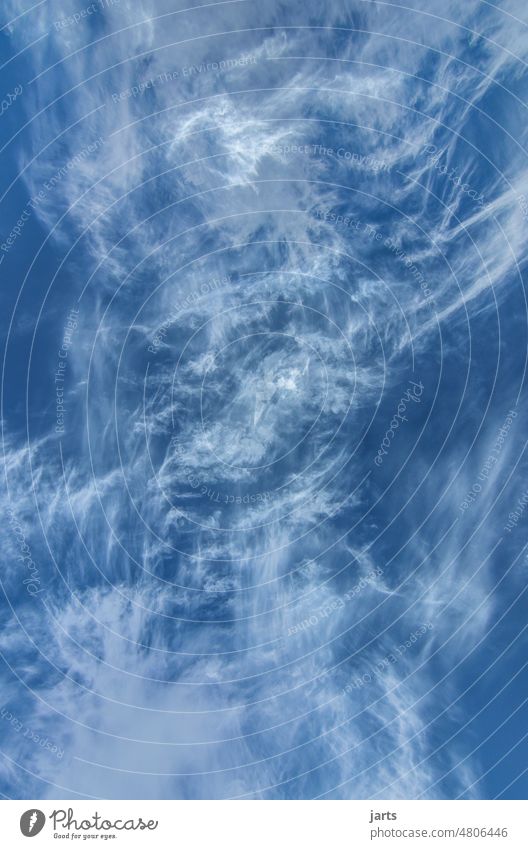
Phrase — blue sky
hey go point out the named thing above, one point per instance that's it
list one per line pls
(263, 415)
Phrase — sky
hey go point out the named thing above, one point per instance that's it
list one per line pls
(263, 401)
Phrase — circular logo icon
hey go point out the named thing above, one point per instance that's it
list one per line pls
(32, 822)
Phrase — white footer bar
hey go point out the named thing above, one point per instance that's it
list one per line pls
(265, 824)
